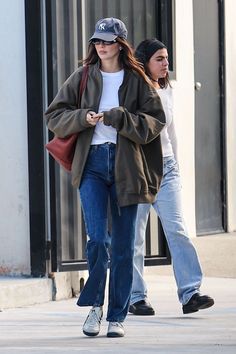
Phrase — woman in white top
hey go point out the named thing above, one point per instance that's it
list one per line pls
(188, 275)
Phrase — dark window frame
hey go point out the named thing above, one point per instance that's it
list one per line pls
(38, 244)
(43, 248)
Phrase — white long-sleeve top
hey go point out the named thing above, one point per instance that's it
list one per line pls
(168, 134)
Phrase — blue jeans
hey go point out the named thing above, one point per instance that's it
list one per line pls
(187, 270)
(97, 193)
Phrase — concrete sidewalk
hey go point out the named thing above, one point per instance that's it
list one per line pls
(55, 327)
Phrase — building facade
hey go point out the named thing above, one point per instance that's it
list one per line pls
(41, 229)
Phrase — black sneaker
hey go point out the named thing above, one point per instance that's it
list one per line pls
(142, 308)
(198, 302)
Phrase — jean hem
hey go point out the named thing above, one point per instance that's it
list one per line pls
(190, 296)
(137, 299)
(88, 304)
(114, 320)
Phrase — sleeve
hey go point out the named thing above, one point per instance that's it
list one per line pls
(173, 138)
(144, 125)
(171, 128)
(63, 117)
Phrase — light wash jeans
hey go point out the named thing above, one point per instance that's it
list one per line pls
(97, 189)
(187, 270)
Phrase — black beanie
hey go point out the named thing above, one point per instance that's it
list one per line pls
(147, 48)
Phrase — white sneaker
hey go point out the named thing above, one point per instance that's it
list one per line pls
(92, 323)
(115, 329)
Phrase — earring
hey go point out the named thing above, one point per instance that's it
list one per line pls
(120, 48)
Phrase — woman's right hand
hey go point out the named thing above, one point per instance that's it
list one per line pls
(93, 117)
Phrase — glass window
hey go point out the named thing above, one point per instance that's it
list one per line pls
(69, 26)
(143, 18)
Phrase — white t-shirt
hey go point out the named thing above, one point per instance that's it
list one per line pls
(168, 135)
(109, 99)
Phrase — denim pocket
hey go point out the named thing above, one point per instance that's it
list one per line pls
(92, 150)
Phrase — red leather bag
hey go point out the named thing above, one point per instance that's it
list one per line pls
(63, 149)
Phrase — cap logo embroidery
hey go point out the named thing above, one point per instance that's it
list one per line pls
(102, 26)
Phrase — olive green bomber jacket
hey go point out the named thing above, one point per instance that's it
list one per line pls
(138, 120)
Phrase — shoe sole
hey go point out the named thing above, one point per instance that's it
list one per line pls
(140, 313)
(90, 334)
(192, 309)
(114, 335)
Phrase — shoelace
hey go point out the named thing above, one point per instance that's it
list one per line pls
(117, 324)
(93, 318)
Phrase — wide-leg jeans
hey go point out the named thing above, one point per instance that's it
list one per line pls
(187, 270)
(97, 191)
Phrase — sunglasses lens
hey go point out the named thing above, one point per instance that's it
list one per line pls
(98, 41)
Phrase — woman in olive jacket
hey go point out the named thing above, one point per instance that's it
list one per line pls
(117, 158)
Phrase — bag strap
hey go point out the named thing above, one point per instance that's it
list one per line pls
(83, 82)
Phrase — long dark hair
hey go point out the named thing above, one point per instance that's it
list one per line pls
(145, 51)
(126, 58)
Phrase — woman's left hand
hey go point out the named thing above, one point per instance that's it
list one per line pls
(92, 117)
(101, 117)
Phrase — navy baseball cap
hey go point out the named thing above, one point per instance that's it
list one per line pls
(110, 28)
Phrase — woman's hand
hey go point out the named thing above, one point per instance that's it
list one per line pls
(93, 117)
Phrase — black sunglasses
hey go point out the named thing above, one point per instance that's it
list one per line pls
(100, 41)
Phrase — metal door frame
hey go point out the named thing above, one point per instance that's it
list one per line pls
(221, 6)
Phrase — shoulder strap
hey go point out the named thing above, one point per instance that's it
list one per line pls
(83, 81)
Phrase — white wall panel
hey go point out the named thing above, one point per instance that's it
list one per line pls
(14, 213)
(230, 51)
(184, 107)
